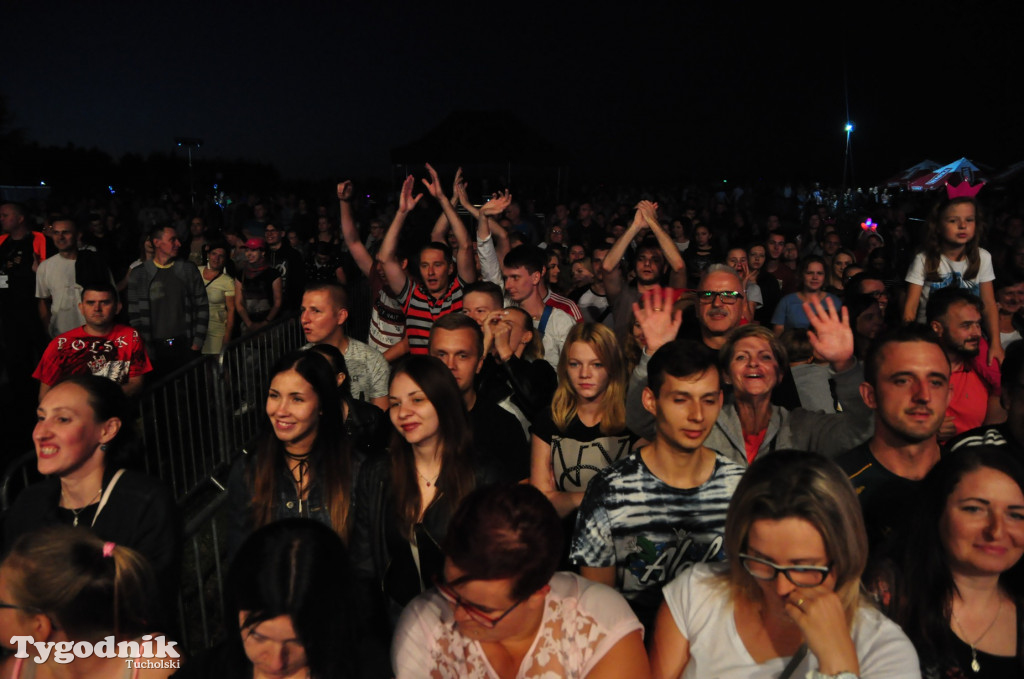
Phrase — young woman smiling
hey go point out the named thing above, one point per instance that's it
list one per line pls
(84, 439)
(406, 498)
(302, 466)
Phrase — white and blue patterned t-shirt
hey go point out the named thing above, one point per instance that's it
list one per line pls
(951, 274)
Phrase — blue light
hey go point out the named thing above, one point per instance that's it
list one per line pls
(111, 189)
(848, 128)
(42, 183)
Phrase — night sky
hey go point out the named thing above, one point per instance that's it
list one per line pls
(705, 90)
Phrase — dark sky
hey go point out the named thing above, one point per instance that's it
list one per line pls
(708, 89)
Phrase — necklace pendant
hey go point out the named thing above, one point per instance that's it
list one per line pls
(75, 524)
(974, 664)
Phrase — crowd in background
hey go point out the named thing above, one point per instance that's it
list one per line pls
(758, 413)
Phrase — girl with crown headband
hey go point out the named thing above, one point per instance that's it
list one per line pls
(951, 255)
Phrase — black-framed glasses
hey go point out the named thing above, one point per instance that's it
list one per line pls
(727, 296)
(801, 576)
(483, 619)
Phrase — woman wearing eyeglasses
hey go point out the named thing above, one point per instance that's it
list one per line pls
(501, 610)
(787, 603)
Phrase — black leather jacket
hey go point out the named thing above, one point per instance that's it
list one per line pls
(381, 556)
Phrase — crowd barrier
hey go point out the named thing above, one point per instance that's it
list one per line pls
(193, 423)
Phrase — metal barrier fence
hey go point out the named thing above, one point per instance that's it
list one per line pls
(193, 423)
(195, 420)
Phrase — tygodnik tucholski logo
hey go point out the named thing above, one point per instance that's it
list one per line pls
(148, 653)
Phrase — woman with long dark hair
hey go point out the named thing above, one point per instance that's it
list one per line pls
(302, 466)
(290, 608)
(963, 593)
(405, 499)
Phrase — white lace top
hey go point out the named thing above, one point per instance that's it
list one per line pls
(582, 621)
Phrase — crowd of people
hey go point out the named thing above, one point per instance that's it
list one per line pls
(659, 438)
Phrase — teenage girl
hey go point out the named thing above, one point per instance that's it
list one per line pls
(951, 256)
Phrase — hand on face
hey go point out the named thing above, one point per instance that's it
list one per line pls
(818, 612)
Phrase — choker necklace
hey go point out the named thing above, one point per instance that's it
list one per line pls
(302, 467)
(429, 482)
(76, 512)
(975, 665)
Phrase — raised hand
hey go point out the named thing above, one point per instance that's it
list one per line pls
(649, 212)
(830, 334)
(657, 317)
(345, 190)
(406, 201)
(434, 184)
(498, 203)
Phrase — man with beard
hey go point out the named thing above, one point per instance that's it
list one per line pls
(907, 385)
(653, 258)
(955, 316)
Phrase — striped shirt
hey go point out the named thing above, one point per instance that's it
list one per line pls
(651, 531)
(421, 310)
(565, 304)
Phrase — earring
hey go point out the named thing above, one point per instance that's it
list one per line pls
(103, 447)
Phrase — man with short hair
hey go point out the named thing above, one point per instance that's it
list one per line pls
(481, 299)
(167, 304)
(457, 340)
(57, 289)
(21, 251)
(593, 302)
(651, 515)
(774, 244)
(100, 346)
(955, 317)
(1011, 432)
(869, 283)
(283, 257)
(440, 293)
(654, 258)
(554, 316)
(323, 313)
(907, 385)
(59, 279)
(1009, 293)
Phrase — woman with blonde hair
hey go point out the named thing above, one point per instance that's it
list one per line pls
(59, 584)
(586, 430)
(787, 603)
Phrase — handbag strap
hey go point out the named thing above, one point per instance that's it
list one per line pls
(794, 662)
(106, 495)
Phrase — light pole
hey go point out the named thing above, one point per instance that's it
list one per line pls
(848, 157)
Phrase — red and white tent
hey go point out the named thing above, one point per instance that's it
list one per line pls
(912, 173)
(954, 173)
